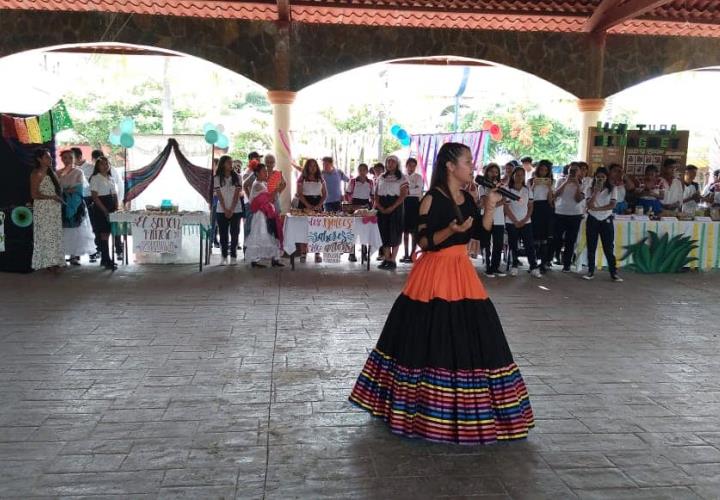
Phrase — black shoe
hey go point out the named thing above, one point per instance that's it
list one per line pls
(352, 258)
(391, 266)
(406, 260)
(258, 265)
(277, 263)
(384, 265)
(93, 257)
(109, 265)
(380, 257)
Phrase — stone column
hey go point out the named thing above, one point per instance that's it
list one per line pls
(281, 101)
(590, 110)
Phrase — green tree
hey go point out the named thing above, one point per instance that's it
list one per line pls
(255, 139)
(363, 120)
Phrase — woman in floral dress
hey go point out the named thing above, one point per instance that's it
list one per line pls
(47, 214)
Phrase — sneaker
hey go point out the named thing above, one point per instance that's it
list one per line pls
(406, 260)
(535, 273)
(616, 278)
(258, 265)
(567, 269)
(277, 263)
(233, 261)
(514, 271)
(589, 276)
(488, 274)
(500, 274)
(223, 261)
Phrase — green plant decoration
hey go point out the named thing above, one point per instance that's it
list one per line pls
(660, 254)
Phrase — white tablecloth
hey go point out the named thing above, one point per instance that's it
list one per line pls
(295, 231)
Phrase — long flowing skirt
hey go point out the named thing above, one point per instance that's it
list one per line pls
(79, 240)
(442, 369)
(47, 235)
(260, 243)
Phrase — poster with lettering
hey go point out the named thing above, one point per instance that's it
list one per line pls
(333, 235)
(157, 233)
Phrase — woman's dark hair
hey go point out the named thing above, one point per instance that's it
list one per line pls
(39, 153)
(613, 166)
(96, 170)
(608, 185)
(490, 166)
(306, 175)
(690, 167)
(511, 184)
(449, 152)
(398, 174)
(650, 168)
(548, 165)
(411, 160)
(362, 165)
(234, 179)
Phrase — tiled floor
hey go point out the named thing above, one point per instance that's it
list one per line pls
(162, 382)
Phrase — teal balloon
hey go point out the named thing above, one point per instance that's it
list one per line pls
(402, 134)
(21, 216)
(406, 141)
(222, 141)
(208, 127)
(395, 129)
(127, 126)
(211, 136)
(114, 139)
(127, 140)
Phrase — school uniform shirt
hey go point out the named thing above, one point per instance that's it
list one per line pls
(415, 185)
(102, 185)
(689, 207)
(310, 188)
(362, 190)
(603, 198)
(519, 208)
(565, 203)
(541, 190)
(654, 190)
(673, 192)
(391, 185)
(119, 183)
(499, 214)
(227, 190)
(621, 192)
(87, 170)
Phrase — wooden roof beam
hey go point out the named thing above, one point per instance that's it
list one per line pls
(284, 10)
(612, 12)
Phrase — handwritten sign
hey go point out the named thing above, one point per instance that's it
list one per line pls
(157, 233)
(331, 234)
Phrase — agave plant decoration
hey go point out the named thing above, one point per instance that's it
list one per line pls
(660, 254)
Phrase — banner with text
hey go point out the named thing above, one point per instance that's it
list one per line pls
(331, 234)
(157, 233)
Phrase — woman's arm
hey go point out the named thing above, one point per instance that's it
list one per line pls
(492, 201)
(323, 194)
(509, 214)
(236, 198)
(35, 180)
(530, 206)
(404, 190)
(579, 195)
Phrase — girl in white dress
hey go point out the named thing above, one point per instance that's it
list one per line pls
(47, 218)
(263, 242)
(78, 237)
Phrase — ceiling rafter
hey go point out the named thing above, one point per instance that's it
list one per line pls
(613, 12)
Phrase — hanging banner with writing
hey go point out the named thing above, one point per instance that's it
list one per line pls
(2, 232)
(157, 233)
(331, 234)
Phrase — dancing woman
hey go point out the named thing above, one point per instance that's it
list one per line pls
(442, 369)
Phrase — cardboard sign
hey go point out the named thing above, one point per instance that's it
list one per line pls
(157, 233)
(331, 234)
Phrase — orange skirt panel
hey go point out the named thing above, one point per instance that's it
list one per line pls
(446, 274)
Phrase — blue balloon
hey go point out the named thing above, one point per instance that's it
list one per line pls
(127, 126)
(208, 127)
(402, 134)
(114, 139)
(127, 140)
(406, 141)
(211, 136)
(222, 141)
(395, 129)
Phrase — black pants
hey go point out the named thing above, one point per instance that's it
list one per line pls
(567, 228)
(233, 224)
(526, 234)
(606, 230)
(493, 245)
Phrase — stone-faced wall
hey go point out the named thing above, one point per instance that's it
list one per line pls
(291, 59)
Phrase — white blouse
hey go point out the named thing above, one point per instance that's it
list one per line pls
(541, 190)
(102, 185)
(359, 189)
(415, 183)
(391, 185)
(311, 188)
(602, 198)
(228, 193)
(520, 207)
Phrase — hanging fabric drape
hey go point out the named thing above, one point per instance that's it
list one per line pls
(426, 146)
(199, 178)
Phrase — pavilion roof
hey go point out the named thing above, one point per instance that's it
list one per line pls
(641, 17)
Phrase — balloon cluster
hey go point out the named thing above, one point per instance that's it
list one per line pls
(400, 134)
(122, 135)
(214, 134)
(495, 131)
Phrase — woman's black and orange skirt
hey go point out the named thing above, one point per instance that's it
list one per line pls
(442, 369)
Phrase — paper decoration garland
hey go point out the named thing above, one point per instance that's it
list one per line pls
(22, 131)
(33, 127)
(46, 126)
(36, 129)
(8, 127)
(61, 117)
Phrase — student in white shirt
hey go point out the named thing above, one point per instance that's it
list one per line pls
(117, 176)
(104, 194)
(411, 209)
(87, 169)
(518, 221)
(496, 240)
(623, 185)
(392, 189)
(569, 209)
(543, 217)
(601, 197)
(672, 187)
(712, 183)
(312, 193)
(691, 191)
(360, 192)
(230, 208)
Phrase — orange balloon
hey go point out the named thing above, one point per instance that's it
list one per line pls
(497, 136)
(487, 124)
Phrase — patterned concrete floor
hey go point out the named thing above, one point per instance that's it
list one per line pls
(162, 382)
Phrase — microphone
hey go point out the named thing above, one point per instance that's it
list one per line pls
(489, 184)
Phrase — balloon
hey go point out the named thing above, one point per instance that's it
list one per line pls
(395, 129)
(21, 216)
(114, 139)
(487, 124)
(497, 137)
(222, 141)
(495, 129)
(127, 126)
(211, 136)
(116, 131)
(406, 141)
(208, 127)
(127, 140)
(402, 134)
(220, 128)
